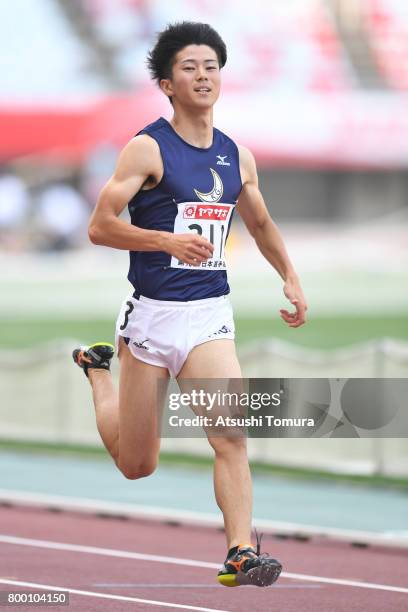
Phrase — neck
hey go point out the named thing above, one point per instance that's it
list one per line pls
(194, 127)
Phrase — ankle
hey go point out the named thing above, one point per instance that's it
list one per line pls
(234, 546)
(95, 373)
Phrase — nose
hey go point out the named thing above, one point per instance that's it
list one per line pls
(201, 74)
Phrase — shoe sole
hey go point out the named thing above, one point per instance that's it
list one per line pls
(77, 351)
(111, 346)
(228, 580)
(83, 364)
(263, 575)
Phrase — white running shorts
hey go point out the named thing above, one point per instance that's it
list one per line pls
(163, 333)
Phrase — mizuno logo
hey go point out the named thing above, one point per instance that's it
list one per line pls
(141, 344)
(224, 330)
(221, 160)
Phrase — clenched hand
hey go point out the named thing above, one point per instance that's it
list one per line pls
(190, 248)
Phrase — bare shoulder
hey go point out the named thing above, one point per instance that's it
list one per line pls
(247, 165)
(141, 156)
(139, 164)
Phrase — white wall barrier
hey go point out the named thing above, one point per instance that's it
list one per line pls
(43, 397)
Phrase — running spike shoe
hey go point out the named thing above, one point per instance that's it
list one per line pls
(96, 356)
(249, 566)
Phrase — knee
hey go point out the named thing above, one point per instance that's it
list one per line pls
(134, 472)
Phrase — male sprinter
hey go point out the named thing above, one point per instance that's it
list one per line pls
(182, 181)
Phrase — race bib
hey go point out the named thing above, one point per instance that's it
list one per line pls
(210, 221)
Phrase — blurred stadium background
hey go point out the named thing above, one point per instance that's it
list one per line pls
(318, 89)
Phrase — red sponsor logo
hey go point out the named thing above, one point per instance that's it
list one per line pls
(206, 211)
(189, 212)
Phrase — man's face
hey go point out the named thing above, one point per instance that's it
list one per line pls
(195, 80)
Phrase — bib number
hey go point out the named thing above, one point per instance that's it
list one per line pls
(210, 221)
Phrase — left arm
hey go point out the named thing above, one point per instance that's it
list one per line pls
(253, 211)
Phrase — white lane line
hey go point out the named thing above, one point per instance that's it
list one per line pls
(124, 554)
(110, 552)
(200, 585)
(352, 583)
(150, 602)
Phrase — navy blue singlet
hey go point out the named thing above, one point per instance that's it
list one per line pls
(197, 193)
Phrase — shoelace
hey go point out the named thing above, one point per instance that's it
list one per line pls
(262, 556)
(259, 537)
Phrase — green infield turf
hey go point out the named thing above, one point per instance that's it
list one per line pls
(319, 332)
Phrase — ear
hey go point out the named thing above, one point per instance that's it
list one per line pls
(166, 87)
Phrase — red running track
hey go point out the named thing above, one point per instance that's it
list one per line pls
(174, 580)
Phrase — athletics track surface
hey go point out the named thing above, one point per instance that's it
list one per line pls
(113, 557)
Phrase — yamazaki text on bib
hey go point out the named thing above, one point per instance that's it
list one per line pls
(210, 221)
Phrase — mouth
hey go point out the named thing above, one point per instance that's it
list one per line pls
(202, 89)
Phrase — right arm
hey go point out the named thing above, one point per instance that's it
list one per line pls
(139, 160)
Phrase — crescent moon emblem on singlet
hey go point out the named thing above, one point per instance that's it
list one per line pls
(216, 192)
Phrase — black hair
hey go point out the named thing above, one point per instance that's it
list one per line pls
(175, 37)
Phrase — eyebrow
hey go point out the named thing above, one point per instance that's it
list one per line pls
(195, 61)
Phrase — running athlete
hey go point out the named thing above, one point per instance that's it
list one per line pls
(182, 180)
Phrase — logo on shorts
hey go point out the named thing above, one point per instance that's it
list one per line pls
(141, 344)
(221, 160)
(224, 330)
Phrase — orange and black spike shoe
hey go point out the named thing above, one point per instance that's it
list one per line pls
(247, 566)
(96, 356)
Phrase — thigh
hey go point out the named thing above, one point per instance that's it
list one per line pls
(213, 359)
(216, 359)
(140, 407)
